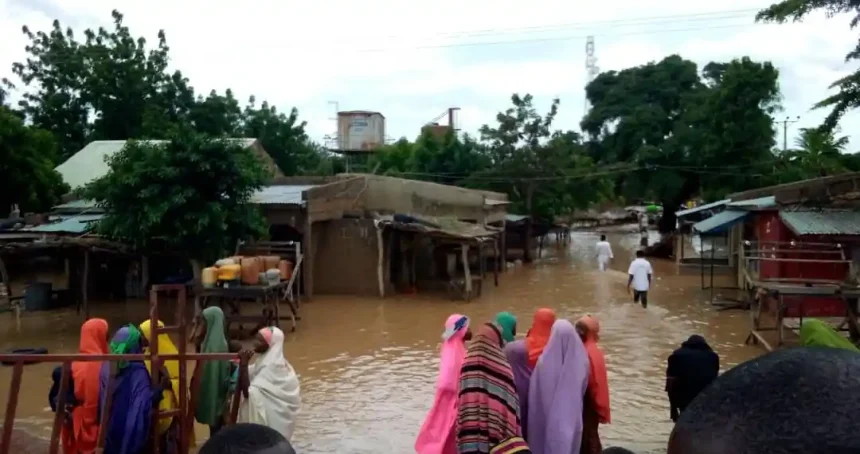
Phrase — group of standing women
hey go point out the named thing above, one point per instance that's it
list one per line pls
(273, 388)
(545, 394)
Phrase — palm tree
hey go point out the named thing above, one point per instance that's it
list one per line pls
(818, 153)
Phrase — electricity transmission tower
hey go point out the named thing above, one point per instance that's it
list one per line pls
(591, 69)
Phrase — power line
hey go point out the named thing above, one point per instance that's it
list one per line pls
(689, 17)
(556, 38)
(661, 30)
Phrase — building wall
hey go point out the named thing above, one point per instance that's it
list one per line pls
(363, 193)
(769, 227)
(346, 258)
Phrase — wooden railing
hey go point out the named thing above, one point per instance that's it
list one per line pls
(185, 412)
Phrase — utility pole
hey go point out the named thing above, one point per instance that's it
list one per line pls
(337, 136)
(785, 124)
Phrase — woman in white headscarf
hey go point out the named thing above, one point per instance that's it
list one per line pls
(273, 396)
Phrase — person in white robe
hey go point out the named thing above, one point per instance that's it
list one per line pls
(273, 395)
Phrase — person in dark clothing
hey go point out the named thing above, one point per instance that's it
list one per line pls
(246, 438)
(792, 401)
(54, 393)
(691, 369)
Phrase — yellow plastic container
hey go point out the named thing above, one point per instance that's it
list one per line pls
(209, 276)
(229, 272)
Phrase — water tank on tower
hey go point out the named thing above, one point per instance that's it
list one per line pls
(360, 131)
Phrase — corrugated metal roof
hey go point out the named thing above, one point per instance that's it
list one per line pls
(822, 222)
(89, 163)
(69, 224)
(280, 195)
(515, 217)
(704, 207)
(755, 204)
(719, 222)
(494, 202)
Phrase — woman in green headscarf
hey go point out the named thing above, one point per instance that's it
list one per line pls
(815, 333)
(213, 379)
(508, 322)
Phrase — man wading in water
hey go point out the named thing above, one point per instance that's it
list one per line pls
(640, 276)
(604, 253)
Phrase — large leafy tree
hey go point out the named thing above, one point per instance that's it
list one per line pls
(190, 195)
(27, 156)
(848, 95)
(678, 128)
(546, 173)
(283, 136)
(114, 85)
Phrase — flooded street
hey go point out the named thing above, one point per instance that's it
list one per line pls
(368, 366)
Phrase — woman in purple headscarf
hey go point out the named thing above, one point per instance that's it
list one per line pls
(518, 356)
(556, 392)
(132, 402)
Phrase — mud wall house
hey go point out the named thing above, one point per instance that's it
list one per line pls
(355, 242)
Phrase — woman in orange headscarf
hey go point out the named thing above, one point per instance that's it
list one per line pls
(595, 409)
(82, 437)
(538, 335)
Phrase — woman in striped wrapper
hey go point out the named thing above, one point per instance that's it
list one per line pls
(488, 419)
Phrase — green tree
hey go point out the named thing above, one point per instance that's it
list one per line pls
(447, 159)
(54, 70)
(848, 97)
(283, 136)
(190, 195)
(818, 153)
(544, 172)
(27, 156)
(393, 159)
(217, 115)
(114, 86)
(679, 131)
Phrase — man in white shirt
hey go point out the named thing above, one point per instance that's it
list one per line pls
(604, 253)
(640, 276)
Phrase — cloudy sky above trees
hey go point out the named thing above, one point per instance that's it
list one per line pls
(412, 60)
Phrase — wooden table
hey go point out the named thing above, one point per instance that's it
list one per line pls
(268, 297)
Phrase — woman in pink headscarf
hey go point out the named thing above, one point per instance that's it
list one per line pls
(437, 435)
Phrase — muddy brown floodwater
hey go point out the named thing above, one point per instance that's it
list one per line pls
(368, 366)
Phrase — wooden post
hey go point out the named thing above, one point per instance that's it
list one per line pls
(464, 255)
(85, 278)
(155, 362)
(413, 273)
(308, 251)
(11, 405)
(527, 252)
(503, 267)
(496, 254)
(380, 248)
(481, 267)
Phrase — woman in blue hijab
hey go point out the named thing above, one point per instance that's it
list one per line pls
(130, 421)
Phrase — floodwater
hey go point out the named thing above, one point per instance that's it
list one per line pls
(368, 366)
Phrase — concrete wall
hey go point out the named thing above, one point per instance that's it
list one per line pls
(346, 258)
(364, 193)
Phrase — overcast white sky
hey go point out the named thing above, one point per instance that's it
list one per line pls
(412, 60)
